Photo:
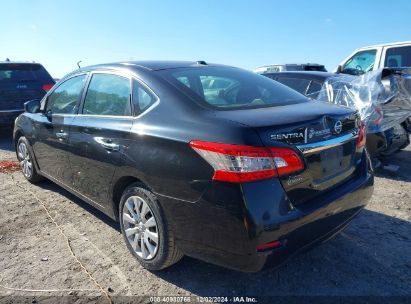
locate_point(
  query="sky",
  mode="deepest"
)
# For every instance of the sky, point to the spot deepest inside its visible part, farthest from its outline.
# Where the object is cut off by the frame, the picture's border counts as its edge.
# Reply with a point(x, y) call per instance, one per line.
point(241, 33)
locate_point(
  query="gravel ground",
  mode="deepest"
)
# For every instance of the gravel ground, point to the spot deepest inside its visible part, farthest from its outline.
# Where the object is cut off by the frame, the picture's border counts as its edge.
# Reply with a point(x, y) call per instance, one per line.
point(371, 257)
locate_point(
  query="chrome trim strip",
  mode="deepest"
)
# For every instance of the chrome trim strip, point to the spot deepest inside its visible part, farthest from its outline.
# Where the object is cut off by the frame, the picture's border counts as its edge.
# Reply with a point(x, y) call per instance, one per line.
point(326, 144)
point(11, 111)
point(105, 116)
point(63, 115)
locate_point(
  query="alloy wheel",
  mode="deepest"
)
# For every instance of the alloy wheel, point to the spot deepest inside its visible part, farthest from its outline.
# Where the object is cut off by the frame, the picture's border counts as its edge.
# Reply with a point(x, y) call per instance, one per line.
point(140, 227)
point(25, 160)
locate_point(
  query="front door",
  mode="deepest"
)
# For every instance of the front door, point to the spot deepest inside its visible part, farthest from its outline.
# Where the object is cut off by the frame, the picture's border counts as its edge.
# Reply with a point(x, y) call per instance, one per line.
point(52, 129)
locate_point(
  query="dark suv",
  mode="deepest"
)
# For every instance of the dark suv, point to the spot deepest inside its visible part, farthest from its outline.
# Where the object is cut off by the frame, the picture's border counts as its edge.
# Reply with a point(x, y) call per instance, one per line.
point(205, 160)
point(20, 82)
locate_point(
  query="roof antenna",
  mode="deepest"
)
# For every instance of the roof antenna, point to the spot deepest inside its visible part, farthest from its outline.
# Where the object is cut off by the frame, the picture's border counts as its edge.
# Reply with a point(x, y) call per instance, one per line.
point(78, 64)
point(7, 60)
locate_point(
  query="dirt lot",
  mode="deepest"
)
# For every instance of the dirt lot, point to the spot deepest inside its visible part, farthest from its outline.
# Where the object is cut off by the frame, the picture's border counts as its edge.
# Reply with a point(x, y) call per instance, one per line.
point(371, 257)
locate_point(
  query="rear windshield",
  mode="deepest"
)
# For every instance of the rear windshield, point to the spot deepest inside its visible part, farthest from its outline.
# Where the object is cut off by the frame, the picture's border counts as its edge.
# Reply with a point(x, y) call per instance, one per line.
point(229, 88)
point(24, 73)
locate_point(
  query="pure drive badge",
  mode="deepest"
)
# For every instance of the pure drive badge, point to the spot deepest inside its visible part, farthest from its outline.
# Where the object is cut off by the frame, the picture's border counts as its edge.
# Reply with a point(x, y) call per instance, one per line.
point(314, 133)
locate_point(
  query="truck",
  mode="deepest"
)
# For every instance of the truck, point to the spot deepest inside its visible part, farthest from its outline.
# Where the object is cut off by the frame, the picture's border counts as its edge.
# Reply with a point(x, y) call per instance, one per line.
point(371, 58)
point(391, 59)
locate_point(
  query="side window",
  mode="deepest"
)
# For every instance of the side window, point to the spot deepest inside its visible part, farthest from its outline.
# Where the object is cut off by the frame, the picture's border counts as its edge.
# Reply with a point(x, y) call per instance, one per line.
point(273, 69)
point(184, 80)
point(398, 57)
point(108, 94)
point(360, 63)
point(142, 99)
point(64, 98)
point(300, 85)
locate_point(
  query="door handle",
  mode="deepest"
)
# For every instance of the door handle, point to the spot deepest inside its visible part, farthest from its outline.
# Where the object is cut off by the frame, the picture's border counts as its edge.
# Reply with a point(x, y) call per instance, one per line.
point(111, 146)
point(107, 144)
point(62, 135)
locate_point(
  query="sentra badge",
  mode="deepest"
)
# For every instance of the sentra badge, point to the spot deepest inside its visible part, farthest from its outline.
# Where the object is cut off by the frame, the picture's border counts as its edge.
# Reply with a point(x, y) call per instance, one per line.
point(281, 136)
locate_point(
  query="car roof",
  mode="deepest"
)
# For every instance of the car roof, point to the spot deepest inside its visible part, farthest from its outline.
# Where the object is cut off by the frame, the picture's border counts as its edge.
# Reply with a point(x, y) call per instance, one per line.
point(303, 74)
point(384, 45)
point(19, 62)
point(152, 65)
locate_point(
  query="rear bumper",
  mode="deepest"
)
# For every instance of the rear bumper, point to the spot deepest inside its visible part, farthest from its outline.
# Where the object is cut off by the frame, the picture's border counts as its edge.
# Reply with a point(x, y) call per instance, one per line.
point(229, 221)
point(7, 117)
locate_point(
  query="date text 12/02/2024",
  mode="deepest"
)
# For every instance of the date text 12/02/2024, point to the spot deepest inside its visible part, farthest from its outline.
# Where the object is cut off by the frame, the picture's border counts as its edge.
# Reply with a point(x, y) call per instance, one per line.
point(200, 299)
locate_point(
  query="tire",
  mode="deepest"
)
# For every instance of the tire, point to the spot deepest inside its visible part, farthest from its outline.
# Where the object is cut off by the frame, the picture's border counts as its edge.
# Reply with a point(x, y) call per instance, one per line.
point(26, 160)
point(406, 143)
point(146, 229)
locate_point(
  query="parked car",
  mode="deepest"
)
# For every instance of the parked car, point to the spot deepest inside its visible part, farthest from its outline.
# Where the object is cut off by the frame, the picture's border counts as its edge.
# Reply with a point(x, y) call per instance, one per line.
point(227, 176)
point(290, 67)
point(20, 82)
point(372, 58)
point(379, 144)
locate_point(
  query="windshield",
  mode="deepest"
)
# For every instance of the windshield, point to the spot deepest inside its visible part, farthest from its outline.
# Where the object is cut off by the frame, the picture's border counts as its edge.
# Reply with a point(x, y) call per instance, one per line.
point(362, 62)
point(228, 88)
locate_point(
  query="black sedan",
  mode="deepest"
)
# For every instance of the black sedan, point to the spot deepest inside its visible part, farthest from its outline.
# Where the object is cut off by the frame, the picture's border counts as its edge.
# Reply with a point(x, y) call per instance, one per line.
point(379, 143)
point(199, 159)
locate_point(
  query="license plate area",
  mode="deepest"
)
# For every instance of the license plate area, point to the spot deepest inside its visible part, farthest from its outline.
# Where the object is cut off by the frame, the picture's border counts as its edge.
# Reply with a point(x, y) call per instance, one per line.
point(332, 161)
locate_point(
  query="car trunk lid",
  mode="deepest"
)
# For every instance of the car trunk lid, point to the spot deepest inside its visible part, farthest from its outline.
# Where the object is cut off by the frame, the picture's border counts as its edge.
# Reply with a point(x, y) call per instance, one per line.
point(325, 137)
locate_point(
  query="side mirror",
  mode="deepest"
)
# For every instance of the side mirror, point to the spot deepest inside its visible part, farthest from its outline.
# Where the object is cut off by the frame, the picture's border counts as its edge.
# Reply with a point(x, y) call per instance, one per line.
point(339, 69)
point(32, 106)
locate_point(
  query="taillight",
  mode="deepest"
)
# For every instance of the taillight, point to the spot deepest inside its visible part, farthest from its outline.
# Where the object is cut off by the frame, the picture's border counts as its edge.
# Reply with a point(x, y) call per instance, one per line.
point(271, 245)
point(47, 87)
point(238, 163)
point(361, 135)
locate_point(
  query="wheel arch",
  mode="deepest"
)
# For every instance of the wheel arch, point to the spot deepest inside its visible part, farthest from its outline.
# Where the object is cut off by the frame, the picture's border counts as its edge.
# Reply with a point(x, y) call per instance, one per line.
point(118, 186)
point(17, 134)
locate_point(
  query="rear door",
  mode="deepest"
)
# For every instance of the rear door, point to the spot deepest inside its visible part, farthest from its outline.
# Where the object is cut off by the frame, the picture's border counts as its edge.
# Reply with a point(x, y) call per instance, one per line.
point(98, 135)
point(52, 129)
